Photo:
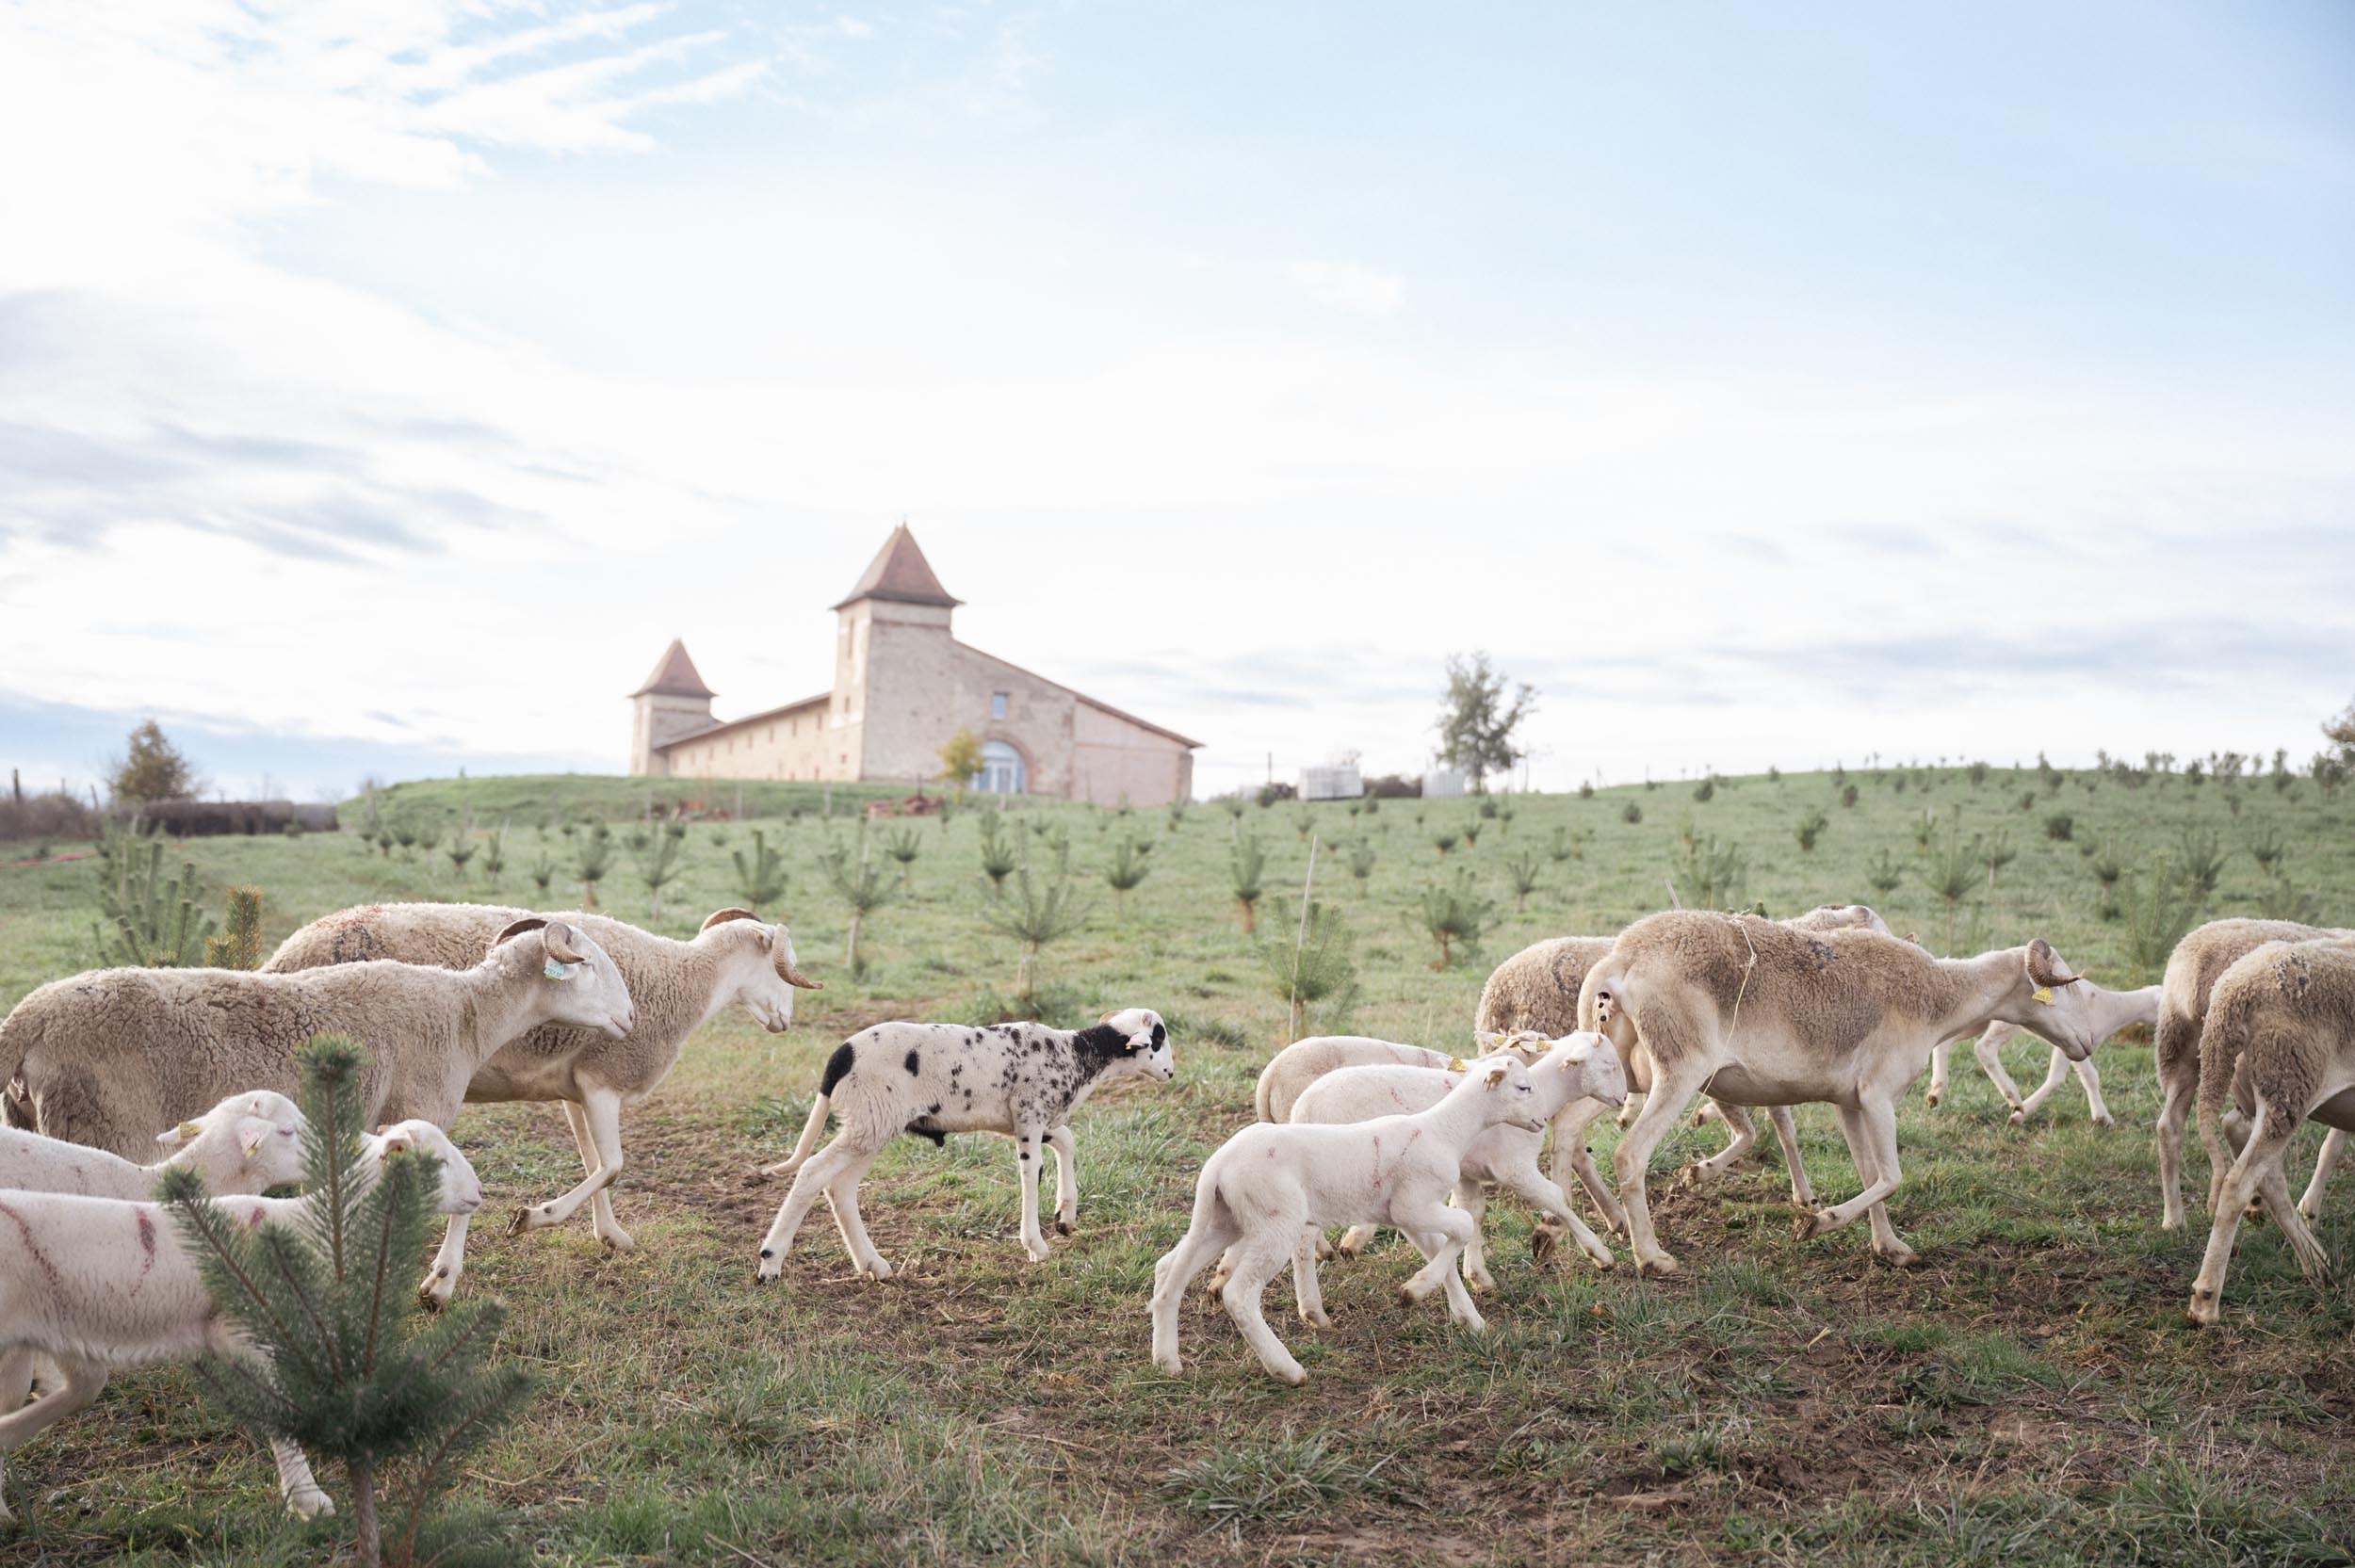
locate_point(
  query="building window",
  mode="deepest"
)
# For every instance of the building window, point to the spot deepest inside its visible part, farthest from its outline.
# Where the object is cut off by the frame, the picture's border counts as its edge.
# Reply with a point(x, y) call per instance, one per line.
point(996, 705)
point(1002, 772)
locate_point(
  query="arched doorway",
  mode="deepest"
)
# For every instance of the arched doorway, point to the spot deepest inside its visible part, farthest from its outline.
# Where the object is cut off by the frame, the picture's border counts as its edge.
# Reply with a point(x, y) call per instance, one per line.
point(1002, 772)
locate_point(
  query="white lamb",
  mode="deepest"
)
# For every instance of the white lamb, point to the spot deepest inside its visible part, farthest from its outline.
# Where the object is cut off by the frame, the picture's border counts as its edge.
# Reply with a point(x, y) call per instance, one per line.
point(1577, 1066)
point(933, 1079)
point(98, 1283)
point(1267, 1186)
point(246, 1144)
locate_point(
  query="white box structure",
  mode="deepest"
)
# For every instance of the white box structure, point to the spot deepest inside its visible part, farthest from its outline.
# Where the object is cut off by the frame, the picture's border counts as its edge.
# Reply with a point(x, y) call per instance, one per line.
point(1445, 784)
point(1331, 784)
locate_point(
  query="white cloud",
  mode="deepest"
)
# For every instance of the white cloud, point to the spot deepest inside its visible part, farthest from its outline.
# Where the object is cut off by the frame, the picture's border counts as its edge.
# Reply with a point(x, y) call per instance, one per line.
point(1345, 286)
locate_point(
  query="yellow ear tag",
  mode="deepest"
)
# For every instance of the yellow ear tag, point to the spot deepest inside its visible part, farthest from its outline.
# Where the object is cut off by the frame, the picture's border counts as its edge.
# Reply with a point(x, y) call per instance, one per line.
point(188, 1129)
point(2044, 995)
point(1457, 1064)
point(253, 1145)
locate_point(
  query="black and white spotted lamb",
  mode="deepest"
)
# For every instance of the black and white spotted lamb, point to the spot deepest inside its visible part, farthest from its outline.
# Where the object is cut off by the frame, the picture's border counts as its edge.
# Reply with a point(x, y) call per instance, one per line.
point(933, 1079)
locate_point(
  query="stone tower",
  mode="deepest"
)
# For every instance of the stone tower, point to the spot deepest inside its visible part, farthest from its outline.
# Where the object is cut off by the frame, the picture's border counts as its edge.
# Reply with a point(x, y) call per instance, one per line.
point(894, 667)
point(673, 702)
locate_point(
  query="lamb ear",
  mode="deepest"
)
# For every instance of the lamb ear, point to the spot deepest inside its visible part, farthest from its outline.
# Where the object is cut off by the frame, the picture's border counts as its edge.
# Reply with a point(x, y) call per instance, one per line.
point(179, 1135)
point(1487, 1039)
point(720, 917)
point(399, 1143)
point(559, 938)
point(528, 923)
point(1457, 1064)
point(252, 1142)
point(1495, 1076)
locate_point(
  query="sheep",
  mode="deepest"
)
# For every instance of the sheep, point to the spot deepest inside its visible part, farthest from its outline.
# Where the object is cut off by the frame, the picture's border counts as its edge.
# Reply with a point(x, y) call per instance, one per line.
point(1763, 1014)
point(676, 986)
point(1301, 1063)
point(2192, 971)
point(1267, 1186)
point(1571, 1067)
point(246, 1144)
point(2131, 1008)
point(106, 1055)
point(933, 1079)
point(2279, 1039)
point(1538, 989)
point(96, 1283)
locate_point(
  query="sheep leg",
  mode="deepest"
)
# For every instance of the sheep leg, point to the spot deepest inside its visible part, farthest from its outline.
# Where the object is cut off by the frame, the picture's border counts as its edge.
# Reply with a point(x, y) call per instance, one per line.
point(1673, 1086)
point(449, 1261)
point(601, 1112)
point(1264, 1251)
point(1745, 1132)
point(1471, 1199)
point(601, 1206)
point(1212, 1233)
point(305, 1498)
point(808, 1182)
point(1355, 1239)
point(1872, 1133)
point(1066, 1178)
point(1988, 1048)
point(2181, 1091)
point(1441, 1233)
point(1530, 1184)
point(1939, 1053)
point(2241, 1183)
point(842, 1197)
point(1787, 1134)
point(80, 1383)
point(1308, 1289)
point(16, 1376)
point(1629, 1108)
point(1026, 1161)
point(2333, 1145)
point(1572, 1156)
point(2274, 1184)
point(2090, 1077)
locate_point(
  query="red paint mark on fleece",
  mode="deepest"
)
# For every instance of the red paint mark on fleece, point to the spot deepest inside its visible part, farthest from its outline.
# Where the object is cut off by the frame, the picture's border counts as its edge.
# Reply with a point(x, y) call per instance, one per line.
point(147, 1247)
point(25, 1231)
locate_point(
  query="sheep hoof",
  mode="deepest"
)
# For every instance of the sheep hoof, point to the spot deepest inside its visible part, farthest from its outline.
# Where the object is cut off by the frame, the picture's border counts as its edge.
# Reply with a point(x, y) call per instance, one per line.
point(876, 1271)
point(1064, 1227)
point(1346, 1250)
point(1808, 1225)
point(315, 1505)
point(1171, 1365)
point(2203, 1311)
point(1215, 1283)
point(1904, 1257)
point(1542, 1242)
point(618, 1241)
point(782, 1167)
point(1294, 1375)
point(1663, 1264)
point(1602, 1260)
point(1316, 1319)
point(1931, 1099)
point(521, 1223)
point(2105, 1119)
point(1479, 1285)
point(2019, 1118)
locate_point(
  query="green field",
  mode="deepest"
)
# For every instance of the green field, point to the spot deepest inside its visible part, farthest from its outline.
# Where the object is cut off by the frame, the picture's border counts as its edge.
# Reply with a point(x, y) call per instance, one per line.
point(2029, 1394)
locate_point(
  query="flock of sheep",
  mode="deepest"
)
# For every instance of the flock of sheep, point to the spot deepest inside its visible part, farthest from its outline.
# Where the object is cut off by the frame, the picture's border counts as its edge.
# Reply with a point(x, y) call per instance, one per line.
point(2254, 1024)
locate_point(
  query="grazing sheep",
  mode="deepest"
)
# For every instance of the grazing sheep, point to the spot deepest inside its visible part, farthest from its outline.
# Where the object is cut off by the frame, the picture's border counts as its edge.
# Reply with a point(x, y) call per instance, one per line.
point(104, 1057)
point(1578, 1066)
point(2279, 1039)
point(1763, 1014)
point(246, 1144)
point(933, 1079)
point(95, 1284)
point(1266, 1188)
point(2192, 971)
point(1538, 989)
point(2129, 1007)
point(677, 988)
point(1303, 1062)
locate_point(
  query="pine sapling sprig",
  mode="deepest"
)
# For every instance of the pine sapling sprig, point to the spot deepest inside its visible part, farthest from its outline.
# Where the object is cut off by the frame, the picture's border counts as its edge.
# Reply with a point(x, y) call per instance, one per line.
point(657, 856)
point(1037, 914)
point(903, 845)
point(1522, 871)
point(239, 946)
point(1247, 866)
point(592, 857)
point(1127, 869)
point(760, 879)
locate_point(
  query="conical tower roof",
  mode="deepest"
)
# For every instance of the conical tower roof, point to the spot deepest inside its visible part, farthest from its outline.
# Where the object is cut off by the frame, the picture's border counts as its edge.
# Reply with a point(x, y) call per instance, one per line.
point(674, 675)
point(900, 572)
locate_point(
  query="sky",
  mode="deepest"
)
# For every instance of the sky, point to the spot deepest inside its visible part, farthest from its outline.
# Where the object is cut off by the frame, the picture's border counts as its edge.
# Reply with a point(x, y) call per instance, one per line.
point(384, 384)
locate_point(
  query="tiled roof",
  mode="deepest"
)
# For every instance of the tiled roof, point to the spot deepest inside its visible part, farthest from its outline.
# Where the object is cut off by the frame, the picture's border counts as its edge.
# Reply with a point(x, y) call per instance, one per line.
point(900, 572)
point(674, 675)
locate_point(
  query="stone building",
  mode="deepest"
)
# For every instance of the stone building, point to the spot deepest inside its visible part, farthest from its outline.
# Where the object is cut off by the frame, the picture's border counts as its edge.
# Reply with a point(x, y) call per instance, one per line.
point(902, 686)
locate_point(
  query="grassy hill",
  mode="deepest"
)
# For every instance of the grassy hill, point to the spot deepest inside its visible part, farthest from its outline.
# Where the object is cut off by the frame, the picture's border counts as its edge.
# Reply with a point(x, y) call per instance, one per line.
point(2026, 1396)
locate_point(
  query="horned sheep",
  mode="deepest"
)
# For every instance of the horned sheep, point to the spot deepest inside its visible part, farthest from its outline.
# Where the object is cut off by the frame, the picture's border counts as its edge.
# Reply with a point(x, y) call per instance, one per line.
point(933, 1079)
point(1267, 1186)
point(95, 1284)
point(2128, 1008)
point(2279, 1039)
point(105, 1057)
point(1763, 1014)
point(676, 986)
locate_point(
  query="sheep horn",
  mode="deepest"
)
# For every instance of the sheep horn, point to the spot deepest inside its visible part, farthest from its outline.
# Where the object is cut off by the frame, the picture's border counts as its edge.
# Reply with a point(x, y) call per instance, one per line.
point(560, 941)
point(720, 917)
point(790, 973)
point(528, 923)
point(2045, 967)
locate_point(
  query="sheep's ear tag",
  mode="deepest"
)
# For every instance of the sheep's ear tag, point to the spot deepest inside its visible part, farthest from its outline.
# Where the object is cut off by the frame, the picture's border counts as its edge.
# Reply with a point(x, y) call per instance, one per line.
point(1457, 1064)
point(1496, 1077)
point(556, 971)
point(253, 1145)
point(2044, 995)
point(186, 1130)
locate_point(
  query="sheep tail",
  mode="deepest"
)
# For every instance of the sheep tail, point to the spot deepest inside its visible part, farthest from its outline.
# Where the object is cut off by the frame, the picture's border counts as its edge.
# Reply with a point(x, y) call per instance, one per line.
point(16, 1098)
point(811, 1131)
